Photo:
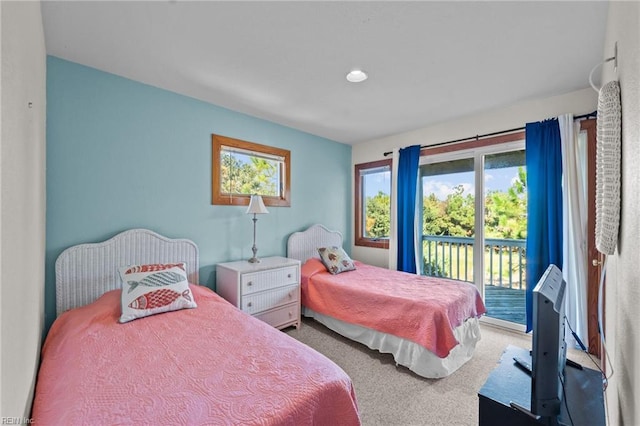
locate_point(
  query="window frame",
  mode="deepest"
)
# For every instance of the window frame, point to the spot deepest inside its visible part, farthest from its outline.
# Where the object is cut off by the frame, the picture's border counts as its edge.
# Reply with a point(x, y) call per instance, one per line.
point(360, 239)
point(221, 198)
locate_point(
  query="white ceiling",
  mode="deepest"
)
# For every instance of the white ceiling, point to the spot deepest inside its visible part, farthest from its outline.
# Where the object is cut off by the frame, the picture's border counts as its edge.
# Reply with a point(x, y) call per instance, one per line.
point(286, 61)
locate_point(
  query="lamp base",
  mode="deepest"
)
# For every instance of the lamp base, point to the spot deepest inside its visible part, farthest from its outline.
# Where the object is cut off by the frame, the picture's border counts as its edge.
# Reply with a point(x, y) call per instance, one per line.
point(254, 249)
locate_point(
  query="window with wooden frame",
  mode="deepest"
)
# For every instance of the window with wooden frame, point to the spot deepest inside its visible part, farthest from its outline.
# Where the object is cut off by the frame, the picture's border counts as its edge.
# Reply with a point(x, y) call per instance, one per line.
point(241, 169)
point(373, 203)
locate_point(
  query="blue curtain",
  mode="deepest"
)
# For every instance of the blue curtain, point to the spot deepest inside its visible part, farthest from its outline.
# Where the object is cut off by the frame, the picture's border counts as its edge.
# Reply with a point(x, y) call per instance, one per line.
point(544, 205)
point(406, 189)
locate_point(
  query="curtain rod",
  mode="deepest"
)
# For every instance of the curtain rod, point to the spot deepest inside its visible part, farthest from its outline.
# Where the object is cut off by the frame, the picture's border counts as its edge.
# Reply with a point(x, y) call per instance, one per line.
point(501, 132)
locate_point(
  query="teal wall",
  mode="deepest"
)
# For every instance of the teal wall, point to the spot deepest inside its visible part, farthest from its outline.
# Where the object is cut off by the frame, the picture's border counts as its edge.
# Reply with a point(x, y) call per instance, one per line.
point(122, 154)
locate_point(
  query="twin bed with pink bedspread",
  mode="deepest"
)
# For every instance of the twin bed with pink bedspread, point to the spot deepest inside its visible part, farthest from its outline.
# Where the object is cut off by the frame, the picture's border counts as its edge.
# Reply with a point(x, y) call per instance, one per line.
point(212, 364)
point(430, 325)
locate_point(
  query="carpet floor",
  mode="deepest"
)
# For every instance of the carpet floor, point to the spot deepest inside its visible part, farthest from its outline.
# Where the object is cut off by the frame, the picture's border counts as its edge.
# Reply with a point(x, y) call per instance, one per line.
point(393, 395)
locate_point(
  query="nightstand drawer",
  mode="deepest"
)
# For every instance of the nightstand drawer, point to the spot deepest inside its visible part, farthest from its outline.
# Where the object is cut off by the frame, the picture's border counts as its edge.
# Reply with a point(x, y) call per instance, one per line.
point(280, 316)
point(263, 289)
point(258, 281)
point(269, 299)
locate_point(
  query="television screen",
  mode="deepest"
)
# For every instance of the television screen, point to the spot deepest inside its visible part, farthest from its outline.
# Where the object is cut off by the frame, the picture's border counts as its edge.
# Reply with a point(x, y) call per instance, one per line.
point(549, 352)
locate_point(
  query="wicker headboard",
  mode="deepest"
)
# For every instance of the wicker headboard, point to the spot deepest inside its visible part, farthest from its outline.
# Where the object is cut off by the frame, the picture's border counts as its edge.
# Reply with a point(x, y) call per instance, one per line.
point(86, 271)
point(304, 244)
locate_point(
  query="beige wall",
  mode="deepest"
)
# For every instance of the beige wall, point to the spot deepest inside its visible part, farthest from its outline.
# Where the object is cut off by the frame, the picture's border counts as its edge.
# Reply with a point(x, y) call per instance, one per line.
point(623, 270)
point(579, 102)
point(22, 203)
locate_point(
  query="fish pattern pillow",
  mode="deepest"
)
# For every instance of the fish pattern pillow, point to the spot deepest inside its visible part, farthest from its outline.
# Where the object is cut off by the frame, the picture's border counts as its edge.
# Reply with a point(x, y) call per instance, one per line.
point(155, 288)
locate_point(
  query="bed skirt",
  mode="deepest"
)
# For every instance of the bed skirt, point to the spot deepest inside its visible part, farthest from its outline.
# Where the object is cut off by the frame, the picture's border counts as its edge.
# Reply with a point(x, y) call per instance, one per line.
point(405, 352)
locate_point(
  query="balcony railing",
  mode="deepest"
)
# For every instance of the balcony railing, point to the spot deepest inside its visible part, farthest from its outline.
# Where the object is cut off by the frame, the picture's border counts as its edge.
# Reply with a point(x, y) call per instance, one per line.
point(452, 257)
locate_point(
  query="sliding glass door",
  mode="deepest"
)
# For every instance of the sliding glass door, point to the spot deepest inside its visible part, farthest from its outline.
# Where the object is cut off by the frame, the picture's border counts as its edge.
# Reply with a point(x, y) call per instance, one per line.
point(448, 218)
point(505, 233)
point(474, 224)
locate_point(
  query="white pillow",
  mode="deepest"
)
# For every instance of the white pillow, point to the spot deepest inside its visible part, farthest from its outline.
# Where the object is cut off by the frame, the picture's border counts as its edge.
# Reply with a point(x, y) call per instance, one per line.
point(152, 289)
point(336, 260)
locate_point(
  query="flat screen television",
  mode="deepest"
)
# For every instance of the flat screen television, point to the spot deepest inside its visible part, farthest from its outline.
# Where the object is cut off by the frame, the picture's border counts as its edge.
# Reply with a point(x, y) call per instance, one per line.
point(549, 351)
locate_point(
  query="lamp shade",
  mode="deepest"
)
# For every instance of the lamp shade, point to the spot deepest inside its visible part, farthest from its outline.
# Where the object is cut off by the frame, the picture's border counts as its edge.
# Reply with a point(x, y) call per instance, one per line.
point(256, 205)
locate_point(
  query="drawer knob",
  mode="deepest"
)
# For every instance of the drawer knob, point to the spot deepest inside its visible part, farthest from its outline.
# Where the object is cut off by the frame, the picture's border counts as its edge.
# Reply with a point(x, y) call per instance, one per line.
point(290, 295)
point(249, 304)
point(290, 314)
point(288, 275)
point(250, 283)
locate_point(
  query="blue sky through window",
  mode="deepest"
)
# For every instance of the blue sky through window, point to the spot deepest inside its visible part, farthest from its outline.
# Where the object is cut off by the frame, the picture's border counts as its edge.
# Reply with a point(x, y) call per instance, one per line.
point(494, 179)
point(442, 185)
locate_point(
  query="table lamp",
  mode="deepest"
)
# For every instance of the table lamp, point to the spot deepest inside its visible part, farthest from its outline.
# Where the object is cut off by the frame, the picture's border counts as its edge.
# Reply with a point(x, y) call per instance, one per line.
point(256, 206)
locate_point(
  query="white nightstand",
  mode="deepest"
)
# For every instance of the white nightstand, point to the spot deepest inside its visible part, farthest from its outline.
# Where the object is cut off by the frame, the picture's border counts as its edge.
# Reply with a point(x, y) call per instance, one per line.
point(269, 290)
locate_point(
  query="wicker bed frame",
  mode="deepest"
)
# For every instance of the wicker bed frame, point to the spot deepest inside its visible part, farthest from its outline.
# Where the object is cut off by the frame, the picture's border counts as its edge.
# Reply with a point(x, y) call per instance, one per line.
point(84, 272)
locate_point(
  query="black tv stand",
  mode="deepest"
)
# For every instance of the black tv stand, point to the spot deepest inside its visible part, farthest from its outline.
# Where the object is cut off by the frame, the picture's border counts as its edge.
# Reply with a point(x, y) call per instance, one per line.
point(505, 398)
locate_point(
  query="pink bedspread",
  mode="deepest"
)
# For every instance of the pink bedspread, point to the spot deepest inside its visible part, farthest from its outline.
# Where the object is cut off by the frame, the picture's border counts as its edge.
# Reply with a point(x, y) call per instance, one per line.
point(422, 309)
point(210, 365)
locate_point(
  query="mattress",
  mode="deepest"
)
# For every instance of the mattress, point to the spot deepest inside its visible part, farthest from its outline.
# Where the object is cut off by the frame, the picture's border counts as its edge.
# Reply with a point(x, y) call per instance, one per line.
point(429, 324)
point(209, 365)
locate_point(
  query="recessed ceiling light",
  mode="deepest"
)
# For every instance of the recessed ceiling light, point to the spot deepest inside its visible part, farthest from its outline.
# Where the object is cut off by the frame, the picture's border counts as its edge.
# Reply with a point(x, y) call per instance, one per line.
point(357, 76)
